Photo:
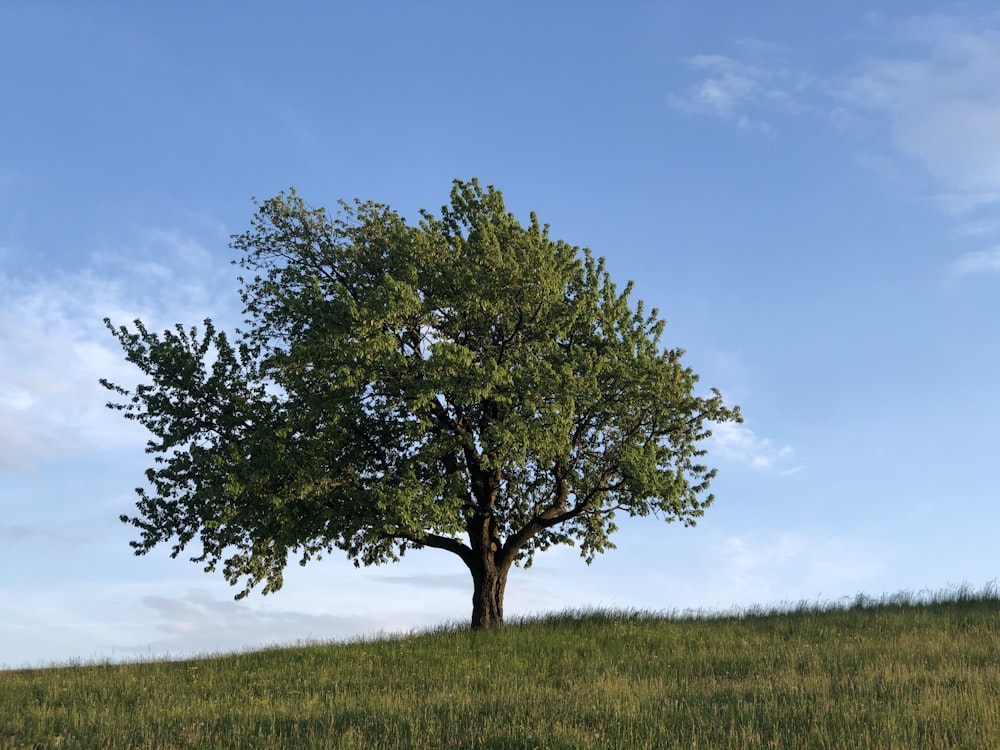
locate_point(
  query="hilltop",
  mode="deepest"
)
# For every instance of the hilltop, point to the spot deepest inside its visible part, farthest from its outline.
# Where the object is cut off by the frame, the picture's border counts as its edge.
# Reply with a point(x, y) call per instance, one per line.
point(890, 673)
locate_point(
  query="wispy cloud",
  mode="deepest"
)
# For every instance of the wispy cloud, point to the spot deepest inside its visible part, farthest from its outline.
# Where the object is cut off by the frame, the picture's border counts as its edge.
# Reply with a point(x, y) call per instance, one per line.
point(48, 331)
point(761, 567)
point(54, 348)
point(936, 101)
point(46, 536)
point(920, 107)
point(742, 91)
point(200, 621)
point(982, 261)
point(727, 84)
point(738, 443)
point(457, 581)
point(940, 106)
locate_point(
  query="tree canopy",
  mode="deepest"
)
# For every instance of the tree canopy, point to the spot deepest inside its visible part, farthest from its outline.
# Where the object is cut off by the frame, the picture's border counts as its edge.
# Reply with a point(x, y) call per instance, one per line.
point(465, 383)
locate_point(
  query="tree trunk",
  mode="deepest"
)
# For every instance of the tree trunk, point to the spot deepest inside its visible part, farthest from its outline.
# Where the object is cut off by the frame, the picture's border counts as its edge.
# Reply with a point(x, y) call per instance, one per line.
point(488, 584)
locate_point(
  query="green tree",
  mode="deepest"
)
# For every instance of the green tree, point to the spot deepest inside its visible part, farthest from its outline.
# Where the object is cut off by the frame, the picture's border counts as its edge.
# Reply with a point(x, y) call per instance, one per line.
point(467, 384)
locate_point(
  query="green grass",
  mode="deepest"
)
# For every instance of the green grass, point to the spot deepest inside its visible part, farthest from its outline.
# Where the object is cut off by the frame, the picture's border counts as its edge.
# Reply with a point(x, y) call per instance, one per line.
point(899, 672)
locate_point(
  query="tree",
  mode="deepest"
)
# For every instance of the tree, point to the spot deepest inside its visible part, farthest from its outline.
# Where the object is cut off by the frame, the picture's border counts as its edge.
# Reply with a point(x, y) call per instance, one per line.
point(466, 384)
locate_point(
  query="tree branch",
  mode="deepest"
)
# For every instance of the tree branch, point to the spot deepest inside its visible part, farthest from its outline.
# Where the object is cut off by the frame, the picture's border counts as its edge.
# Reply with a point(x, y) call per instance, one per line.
point(437, 541)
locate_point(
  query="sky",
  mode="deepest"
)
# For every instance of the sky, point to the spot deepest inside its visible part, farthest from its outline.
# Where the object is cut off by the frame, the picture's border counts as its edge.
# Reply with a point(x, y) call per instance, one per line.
point(808, 192)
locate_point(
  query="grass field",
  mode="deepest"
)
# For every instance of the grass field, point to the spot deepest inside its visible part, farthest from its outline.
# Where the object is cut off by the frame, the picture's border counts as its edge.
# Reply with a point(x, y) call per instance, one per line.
point(899, 672)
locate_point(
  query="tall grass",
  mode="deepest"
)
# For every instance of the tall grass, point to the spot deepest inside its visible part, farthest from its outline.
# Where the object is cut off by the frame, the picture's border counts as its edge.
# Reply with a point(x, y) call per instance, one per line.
point(898, 672)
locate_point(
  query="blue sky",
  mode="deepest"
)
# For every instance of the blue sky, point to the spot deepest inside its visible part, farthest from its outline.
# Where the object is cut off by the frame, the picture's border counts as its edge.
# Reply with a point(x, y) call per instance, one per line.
point(809, 192)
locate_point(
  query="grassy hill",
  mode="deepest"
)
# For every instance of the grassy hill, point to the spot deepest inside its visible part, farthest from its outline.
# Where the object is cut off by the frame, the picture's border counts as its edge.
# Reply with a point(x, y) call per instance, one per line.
point(900, 672)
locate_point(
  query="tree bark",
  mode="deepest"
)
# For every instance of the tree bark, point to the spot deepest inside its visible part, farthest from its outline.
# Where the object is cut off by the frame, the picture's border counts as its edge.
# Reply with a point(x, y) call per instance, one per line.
point(488, 584)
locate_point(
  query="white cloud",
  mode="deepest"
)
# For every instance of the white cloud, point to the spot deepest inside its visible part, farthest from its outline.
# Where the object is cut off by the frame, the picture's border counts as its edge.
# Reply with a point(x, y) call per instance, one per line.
point(22, 442)
point(939, 109)
point(728, 88)
point(725, 566)
point(982, 228)
point(793, 566)
point(940, 106)
point(738, 443)
point(729, 84)
point(127, 621)
point(54, 347)
point(200, 622)
point(925, 116)
point(937, 105)
point(47, 535)
point(983, 261)
point(740, 91)
point(42, 375)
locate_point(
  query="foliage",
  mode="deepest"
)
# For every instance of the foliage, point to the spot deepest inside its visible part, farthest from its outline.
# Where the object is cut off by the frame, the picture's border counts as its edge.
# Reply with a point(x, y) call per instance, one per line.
point(888, 675)
point(466, 383)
